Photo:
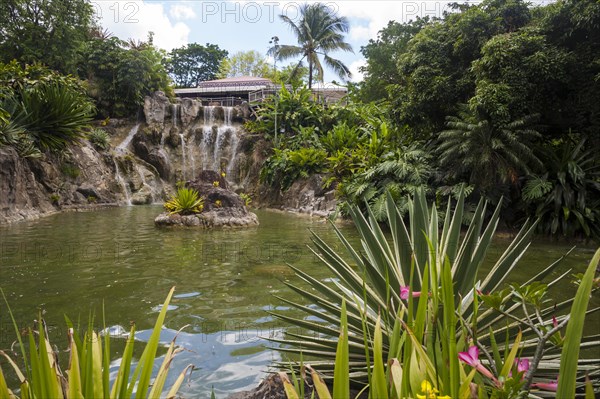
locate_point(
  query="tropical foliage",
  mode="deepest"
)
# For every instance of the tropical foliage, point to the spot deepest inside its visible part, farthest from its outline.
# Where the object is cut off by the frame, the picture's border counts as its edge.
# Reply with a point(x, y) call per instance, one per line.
point(88, 372)
point(318, 31)
point(187, 201)
point(42, 109)
point(567, 196)
point(120, 74)
point(486, 155)
point(420, 304)
point(482, 98)
point(48, 31)
point(398, 379)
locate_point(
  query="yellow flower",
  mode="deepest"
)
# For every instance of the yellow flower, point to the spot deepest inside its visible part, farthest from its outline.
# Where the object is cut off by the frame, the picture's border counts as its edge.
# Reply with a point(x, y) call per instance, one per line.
point(215, 184)
point(429, 392)
point(223, 174)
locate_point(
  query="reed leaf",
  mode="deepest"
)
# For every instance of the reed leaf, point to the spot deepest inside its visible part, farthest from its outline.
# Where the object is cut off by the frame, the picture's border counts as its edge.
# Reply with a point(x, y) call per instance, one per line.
point(570, 352)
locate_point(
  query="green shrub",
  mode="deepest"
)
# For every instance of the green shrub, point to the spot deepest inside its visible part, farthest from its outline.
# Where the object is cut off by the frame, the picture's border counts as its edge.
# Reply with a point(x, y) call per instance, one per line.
point(287, 166)
point(187, 201)
point(99, 138)
point(70, 170)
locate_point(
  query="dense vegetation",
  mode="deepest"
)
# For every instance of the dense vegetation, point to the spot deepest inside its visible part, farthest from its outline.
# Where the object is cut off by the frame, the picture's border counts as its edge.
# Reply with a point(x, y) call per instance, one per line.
point(500, 97)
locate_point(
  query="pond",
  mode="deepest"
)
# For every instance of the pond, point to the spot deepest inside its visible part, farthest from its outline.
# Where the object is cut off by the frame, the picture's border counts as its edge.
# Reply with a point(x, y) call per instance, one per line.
point(72, 263)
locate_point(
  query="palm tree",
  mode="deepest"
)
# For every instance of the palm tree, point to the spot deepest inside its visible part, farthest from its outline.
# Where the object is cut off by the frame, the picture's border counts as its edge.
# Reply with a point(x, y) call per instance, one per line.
point(319, 32)
point(489, 154)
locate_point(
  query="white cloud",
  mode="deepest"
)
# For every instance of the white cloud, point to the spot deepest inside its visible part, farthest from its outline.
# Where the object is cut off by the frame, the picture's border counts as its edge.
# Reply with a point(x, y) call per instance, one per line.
point(357, 76)
point(360, 32)
point(180, 11)
point(135, 18)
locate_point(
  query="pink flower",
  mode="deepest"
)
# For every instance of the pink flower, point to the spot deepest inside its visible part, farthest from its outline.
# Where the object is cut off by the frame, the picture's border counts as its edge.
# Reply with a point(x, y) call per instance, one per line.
point(554, 321)
point(522, 367)
point(546, 386)
point(405, 290)
point(471, 357)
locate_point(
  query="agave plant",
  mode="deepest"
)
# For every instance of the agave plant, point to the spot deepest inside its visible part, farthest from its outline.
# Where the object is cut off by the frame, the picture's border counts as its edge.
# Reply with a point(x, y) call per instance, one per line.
point(99, 138)
point(186, 201)
point(399, 283)
point(88, 375)
point(56, 115)
point(392, 380)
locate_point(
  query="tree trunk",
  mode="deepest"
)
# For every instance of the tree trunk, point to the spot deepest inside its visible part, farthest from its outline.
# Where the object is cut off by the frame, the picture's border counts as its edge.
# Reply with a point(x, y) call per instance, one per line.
point(310, 73)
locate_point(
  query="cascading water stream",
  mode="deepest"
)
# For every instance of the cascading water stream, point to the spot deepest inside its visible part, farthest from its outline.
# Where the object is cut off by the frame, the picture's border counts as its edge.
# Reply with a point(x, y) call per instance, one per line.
point(207, 133)
point(122, 183)
point(183, 157)
point(121, 150)
point(125, 143)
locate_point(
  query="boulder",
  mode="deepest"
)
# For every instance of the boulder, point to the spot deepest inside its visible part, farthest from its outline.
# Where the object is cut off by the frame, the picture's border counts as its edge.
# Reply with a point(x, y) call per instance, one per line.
point(189, 110)
point(142, 197)
point(155, 156)
point(307, 196)
point(155, 107)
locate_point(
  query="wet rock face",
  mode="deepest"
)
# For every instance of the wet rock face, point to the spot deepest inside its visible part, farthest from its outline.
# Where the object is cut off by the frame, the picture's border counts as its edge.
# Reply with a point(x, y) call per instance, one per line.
point(30, 188)
point(155, 107)
point(306, 196)
point(189, 110)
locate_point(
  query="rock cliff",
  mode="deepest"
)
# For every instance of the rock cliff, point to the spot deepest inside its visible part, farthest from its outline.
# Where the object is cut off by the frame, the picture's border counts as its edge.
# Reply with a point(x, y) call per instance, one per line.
point(146, 159)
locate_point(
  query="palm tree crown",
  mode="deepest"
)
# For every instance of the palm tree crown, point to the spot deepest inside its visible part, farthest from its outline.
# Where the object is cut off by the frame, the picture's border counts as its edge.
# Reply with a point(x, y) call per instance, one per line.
point(318, 31)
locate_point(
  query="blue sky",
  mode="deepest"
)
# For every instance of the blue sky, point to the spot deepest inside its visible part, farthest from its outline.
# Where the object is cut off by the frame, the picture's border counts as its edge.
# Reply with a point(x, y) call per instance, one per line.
point(249, 25)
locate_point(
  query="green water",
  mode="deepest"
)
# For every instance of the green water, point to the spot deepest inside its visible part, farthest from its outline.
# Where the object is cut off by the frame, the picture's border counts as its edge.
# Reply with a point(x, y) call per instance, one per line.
point(225, 281)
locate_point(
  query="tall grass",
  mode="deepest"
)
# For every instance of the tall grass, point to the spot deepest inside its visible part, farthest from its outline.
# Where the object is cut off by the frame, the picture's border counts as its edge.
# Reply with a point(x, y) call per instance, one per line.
point(87, 374)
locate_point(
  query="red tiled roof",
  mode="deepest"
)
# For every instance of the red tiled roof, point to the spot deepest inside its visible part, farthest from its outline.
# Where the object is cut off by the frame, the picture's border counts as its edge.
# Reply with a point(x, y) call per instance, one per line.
point(236, 81)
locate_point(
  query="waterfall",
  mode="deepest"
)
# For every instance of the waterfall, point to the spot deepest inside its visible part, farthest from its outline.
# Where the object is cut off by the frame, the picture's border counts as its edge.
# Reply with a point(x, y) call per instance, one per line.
point(122, 183)
point(221, 131)
point(192, 159)
point(227, 113)
point(219, 143)
point(125, 143)
point(233, 144)
point(183, 158)
point(207, 133)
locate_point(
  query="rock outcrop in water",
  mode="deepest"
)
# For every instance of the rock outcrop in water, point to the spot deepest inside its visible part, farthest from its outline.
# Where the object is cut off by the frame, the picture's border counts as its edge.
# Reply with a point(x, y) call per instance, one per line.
point(222, 207)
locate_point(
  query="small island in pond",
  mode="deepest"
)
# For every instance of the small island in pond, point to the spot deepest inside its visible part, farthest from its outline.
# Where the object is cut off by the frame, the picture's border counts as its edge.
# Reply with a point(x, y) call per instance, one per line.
point(206, 202)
